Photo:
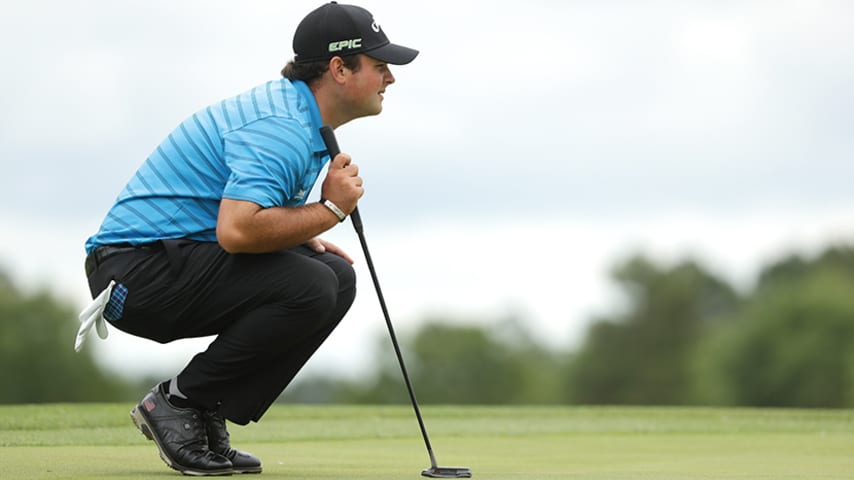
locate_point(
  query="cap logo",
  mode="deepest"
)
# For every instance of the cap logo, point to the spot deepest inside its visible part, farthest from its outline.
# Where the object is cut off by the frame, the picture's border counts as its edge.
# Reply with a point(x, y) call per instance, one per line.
point(375, 26)
point(345, 45)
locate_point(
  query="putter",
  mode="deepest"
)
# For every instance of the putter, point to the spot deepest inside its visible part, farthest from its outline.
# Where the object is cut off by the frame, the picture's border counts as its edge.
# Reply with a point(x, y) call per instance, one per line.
point(434, 471)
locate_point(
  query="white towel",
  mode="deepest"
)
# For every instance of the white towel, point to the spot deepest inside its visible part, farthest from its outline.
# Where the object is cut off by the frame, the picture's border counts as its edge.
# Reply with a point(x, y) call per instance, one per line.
point(93, 315)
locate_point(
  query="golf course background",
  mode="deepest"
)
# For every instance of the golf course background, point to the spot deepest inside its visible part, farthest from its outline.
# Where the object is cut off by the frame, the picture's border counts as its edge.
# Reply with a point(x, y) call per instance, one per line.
point(689, 378)
point(680, 335)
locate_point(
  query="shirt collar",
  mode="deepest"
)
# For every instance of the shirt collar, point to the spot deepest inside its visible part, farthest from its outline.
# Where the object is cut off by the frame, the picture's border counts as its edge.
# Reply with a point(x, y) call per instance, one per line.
point(314, 111)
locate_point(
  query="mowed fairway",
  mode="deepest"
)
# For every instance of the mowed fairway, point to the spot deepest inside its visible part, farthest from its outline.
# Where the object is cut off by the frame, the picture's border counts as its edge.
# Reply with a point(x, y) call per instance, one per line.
point(502, 443)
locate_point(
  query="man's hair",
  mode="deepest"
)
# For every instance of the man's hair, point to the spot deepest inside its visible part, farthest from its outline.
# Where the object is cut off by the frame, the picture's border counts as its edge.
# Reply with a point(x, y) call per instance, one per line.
point(311, 71)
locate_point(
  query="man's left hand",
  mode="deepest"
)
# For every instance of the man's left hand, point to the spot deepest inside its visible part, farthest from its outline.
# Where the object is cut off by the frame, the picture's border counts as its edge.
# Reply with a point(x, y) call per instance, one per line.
point(322, 246)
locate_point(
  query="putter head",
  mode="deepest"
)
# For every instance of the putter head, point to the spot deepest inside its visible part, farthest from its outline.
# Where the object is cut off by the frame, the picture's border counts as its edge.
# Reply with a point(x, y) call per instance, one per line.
point(447, 472)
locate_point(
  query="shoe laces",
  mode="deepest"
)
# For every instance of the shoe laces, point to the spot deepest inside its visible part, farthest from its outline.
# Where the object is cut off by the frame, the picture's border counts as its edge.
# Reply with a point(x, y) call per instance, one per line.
point(218, 436)
point(195, 427)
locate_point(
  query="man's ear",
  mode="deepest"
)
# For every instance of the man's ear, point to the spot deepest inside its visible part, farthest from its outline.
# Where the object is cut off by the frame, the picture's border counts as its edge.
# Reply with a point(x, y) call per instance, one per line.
point(337, 69)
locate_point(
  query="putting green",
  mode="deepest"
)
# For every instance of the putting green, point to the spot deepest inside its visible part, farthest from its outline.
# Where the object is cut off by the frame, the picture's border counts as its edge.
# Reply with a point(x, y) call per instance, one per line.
point(502, 443)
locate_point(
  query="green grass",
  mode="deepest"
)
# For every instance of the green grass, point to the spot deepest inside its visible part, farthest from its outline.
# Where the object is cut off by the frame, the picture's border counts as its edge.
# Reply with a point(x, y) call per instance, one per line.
point(502, 443)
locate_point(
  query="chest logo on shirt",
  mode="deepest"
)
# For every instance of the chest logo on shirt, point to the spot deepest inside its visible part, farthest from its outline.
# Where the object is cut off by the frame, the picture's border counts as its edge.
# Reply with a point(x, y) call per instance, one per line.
point(300, 194)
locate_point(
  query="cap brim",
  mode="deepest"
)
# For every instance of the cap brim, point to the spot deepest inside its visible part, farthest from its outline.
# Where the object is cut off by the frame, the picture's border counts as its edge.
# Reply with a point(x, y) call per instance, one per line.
point(393, 54)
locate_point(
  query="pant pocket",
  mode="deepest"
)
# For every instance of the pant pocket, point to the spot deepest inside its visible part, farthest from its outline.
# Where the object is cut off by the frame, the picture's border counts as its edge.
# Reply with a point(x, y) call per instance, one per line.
point(116, 305)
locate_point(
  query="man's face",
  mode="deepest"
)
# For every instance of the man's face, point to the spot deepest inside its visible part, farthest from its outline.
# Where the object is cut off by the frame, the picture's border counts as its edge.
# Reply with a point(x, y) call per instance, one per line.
point(367, 85)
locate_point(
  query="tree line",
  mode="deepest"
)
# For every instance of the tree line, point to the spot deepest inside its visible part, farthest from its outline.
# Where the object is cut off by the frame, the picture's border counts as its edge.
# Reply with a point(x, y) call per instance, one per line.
point(684, 336)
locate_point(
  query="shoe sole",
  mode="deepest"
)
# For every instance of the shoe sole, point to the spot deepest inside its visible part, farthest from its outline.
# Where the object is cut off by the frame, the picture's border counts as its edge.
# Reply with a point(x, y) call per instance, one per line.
point(141, 422)
point(246, 470)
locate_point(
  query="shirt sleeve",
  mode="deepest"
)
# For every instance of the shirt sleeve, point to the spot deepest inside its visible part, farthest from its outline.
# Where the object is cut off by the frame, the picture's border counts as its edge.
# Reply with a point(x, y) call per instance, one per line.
point(267, 159)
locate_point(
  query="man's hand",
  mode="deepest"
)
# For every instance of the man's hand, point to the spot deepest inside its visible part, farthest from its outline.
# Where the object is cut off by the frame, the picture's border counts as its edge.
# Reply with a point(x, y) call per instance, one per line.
point(321, 246)
point(343, 185)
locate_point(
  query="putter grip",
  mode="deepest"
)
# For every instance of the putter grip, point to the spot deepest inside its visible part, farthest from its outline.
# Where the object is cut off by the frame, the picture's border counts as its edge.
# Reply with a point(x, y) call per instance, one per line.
point(331, 142)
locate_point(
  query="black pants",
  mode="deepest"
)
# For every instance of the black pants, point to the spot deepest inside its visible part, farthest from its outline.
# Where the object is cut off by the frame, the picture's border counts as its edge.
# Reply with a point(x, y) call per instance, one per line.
point(270, 313)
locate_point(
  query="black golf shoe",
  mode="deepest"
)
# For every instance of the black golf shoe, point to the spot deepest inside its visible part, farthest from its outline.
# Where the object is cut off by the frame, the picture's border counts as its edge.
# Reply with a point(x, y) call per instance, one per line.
point(179, 434)
point(218, 441)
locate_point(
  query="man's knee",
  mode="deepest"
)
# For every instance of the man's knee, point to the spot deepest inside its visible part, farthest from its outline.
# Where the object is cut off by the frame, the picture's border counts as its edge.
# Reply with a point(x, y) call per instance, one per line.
point(346, 279)
point(333, 284)
point(321, 293)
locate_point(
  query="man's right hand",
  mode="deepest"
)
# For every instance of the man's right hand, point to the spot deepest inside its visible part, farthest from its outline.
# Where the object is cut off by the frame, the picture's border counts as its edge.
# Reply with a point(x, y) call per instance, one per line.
point(343, 185)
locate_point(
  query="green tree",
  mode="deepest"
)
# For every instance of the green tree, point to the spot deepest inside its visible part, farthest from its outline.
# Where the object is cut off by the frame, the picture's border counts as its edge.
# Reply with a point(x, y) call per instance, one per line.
point(454, 363)
point(642, 356)
point(792, 344)
point(37, 358)
point(495, 365)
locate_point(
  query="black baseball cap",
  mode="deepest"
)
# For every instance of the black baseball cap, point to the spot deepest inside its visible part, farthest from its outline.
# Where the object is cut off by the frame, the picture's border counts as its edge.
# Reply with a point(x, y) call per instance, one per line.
point(336, 29)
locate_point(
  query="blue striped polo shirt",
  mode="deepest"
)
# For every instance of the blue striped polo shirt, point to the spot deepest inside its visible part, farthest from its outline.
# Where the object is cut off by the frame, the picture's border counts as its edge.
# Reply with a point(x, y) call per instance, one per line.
point(262, 146)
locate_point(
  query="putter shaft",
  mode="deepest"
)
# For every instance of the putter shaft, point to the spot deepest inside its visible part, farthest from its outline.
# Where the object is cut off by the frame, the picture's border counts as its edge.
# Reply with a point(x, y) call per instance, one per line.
point(434, 471)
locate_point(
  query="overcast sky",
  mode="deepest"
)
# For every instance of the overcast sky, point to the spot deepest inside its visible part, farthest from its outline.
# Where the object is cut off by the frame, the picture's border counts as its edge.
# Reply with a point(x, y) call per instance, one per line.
point(528, 148)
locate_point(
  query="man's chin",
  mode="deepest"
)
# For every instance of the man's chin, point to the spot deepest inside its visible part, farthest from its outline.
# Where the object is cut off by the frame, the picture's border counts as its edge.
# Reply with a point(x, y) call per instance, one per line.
point(372, 113)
